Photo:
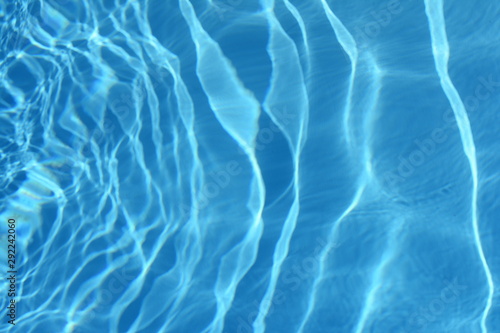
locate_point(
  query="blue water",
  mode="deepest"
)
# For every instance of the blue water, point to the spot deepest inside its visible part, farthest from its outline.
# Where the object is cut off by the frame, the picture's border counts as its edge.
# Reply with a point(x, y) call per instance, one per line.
point(237, 166)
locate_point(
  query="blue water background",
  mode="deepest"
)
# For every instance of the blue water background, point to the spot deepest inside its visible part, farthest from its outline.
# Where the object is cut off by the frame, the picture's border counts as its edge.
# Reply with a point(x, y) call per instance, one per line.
point(247, 166)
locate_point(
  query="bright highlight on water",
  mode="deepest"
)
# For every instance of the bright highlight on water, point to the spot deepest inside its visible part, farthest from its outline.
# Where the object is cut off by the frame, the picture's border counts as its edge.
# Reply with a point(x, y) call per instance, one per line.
point(237, 166)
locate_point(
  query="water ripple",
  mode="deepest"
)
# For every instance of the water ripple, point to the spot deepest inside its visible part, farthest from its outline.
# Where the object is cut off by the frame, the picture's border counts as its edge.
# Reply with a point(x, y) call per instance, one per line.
point(235, 166)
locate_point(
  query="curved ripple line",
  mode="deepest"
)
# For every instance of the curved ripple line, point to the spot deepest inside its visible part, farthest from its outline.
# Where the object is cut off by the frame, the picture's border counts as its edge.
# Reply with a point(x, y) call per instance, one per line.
point(441, 53)
point(324, 254)
point(365, 176)
point(238, 111)
point(378, 278)
point(295, 13)
point(287, 71)
point(234, 106)
point(190, 254)
point(349, 45)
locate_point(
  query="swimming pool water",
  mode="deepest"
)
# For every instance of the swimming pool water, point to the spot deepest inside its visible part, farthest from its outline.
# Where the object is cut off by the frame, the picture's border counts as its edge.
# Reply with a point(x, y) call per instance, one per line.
point(237, 166)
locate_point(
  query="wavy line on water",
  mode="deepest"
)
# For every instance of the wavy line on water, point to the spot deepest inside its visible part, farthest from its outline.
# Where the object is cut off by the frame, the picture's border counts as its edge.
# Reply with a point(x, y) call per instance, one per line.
point(193, 227)
point(238, 111)
point(133, 135)
point(138, 236)
point(369, 118)
point(234, 106)
point(65, 118)
point(190, 254)
point(287, 72)
point(441, 53)
point(324, 255)
point(111, 190)
point(153, 186)
point(300, 21)
point(367, 155)
point(366, 175)
point(378, 281)
point(348, 43)
point(143, 25)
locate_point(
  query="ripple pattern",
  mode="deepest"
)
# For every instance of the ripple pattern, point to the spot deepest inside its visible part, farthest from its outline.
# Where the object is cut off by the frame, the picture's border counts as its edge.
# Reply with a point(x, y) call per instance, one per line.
point(234, 166)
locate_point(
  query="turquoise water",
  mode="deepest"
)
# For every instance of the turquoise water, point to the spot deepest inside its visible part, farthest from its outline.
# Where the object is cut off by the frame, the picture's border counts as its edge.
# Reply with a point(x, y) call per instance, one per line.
point(236, 166)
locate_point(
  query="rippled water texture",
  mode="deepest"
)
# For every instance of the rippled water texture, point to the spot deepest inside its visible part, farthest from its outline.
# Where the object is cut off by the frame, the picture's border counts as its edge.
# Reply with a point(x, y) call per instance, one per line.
point(237, 166)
